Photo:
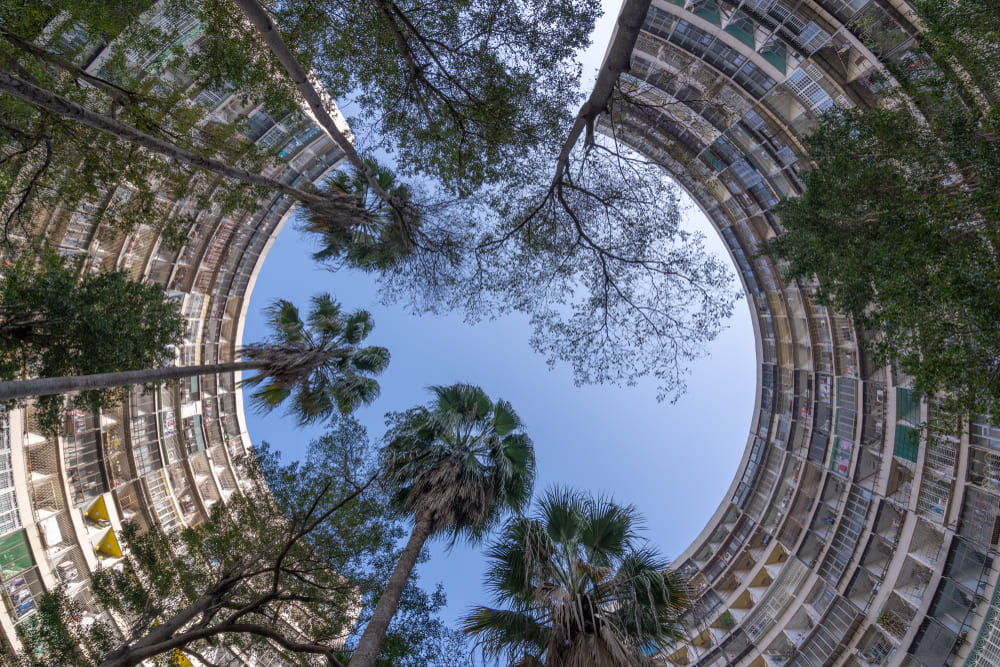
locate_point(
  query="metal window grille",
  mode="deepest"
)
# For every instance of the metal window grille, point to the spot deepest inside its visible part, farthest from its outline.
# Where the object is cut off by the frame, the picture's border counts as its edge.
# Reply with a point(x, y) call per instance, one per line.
point(979, 516)
point(848, 533)
point(163, 507)
point(932, 501)
point(827, 640)
point(984, 434)
point(808, 91)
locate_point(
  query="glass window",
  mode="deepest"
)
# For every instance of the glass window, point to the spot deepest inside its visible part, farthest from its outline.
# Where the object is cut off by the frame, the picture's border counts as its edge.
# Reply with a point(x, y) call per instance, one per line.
point(658, 22)
point(691, 38)
point(984, 434)
point(754, 80)
point(723, 58)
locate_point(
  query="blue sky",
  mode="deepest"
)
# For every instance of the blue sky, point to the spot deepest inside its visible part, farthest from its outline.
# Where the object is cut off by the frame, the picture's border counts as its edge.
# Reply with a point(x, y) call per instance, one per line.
point(674, 462)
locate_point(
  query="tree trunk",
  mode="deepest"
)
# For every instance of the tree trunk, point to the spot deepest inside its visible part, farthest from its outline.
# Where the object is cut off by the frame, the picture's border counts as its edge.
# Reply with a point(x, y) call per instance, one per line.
point(117, 93)
point(47, 100)
point(616, 62)
point(151, 644)
point(371, 641)
point(260, 20)
point(61, 385)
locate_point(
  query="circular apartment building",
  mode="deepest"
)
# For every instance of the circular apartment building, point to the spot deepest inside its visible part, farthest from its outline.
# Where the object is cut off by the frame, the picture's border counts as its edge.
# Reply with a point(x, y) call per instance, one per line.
point(843, 540)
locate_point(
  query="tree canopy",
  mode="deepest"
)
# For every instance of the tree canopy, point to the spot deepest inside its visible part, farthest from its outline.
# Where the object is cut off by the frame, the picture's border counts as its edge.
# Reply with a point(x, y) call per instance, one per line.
point(578, 587)
point(140, 101)
point(55, 321)
point(474, 98)
point(286, 568)
point(457, 89)
point(899, 225)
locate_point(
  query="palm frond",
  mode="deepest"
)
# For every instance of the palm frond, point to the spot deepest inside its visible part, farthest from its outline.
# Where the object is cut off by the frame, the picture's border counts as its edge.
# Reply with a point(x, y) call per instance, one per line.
point(505, 419)
point(325, 316)
point(372, 360)
point(578, 569)
point(453, 466)
point(507, 634)
point(607, 532)
point(357, 327)
point(269, 396)
point(318, 366)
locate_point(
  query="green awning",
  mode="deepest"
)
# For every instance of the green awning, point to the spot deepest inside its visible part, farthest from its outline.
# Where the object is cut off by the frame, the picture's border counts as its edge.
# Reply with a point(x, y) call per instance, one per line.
point(907, 406)
point(709, 11)
point(774, 53)
point(15, 555)
point(907, 442)
point(743, 30)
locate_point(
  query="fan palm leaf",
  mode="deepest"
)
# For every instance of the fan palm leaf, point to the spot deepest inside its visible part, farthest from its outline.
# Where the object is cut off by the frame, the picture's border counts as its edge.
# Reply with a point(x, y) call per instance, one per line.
point(459, 467)
point(577, 586)
point(382, 238)
point(316, 365)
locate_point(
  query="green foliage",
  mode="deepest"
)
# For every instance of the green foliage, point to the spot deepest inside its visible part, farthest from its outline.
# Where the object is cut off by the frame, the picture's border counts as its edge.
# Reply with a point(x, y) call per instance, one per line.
point(318, 362)
point(462, 463)
point(51, 641)
point(55, 322)
point(577, 587)
point(965, 33)
point(458, 88)
point(377, 244)
point(899, 223)
point(47, 159)
point(311, 552)
point(893, 624)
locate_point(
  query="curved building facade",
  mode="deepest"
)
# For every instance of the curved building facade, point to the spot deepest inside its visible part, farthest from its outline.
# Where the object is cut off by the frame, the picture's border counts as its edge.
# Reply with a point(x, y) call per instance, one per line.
point(163, 458)
point(844, 539)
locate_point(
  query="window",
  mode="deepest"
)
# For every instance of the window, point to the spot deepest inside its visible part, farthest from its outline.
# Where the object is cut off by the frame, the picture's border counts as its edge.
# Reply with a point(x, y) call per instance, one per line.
point(754, 80)
point(808, 91)
point(658, 22)
point(691, 38)
point(983, 434)
point(724, 59)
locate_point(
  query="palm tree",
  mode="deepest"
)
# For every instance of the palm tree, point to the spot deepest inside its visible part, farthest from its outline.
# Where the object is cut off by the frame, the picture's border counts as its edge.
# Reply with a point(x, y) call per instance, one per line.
point(459, 467)
point(316, 363)
point(578, 588)
point(383, 238)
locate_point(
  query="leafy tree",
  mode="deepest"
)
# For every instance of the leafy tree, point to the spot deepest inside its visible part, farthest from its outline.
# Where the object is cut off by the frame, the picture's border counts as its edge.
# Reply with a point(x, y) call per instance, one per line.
point(127, 112)
point(591, 248)
point(899, 222)
point(55, 322)
point(282, 568)
point(577, 587)
point(382, 240)
point(965, 33)
point(612, 284)
point(581, 235)
point(458, 88)
point(316, 363)
point(899, 225)
point(458, 468)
